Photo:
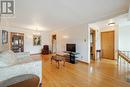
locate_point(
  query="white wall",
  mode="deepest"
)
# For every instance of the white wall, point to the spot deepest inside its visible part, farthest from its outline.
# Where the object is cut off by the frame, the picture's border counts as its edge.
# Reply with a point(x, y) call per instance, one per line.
point(124, 38)
point(0, 41)
point(124, 33)
point(28, 39)
point(77, 35)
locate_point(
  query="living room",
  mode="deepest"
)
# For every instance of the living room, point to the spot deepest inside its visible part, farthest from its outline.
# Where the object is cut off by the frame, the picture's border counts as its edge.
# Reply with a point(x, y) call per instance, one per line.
point(64, 28)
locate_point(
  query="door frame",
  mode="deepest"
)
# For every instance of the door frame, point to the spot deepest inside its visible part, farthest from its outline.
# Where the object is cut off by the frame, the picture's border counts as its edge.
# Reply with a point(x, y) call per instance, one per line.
point(53, 37)
point(94, 43)
point(113, 43)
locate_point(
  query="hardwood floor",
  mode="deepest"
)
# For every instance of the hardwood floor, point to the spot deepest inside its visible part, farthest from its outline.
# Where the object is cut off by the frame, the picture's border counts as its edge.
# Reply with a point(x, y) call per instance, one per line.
point(98, 74)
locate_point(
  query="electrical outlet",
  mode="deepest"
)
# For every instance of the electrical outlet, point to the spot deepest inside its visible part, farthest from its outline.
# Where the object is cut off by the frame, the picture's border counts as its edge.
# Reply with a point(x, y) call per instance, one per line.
point(81, 56)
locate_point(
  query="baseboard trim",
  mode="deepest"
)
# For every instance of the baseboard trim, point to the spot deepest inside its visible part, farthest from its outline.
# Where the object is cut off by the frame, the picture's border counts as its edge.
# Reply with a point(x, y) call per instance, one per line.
point(35, 54)
point(83, 62)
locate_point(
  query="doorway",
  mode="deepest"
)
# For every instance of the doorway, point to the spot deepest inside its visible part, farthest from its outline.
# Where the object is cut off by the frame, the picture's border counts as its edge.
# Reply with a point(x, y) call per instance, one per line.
point(93, 44)
point(107, 44)
point(54, 44)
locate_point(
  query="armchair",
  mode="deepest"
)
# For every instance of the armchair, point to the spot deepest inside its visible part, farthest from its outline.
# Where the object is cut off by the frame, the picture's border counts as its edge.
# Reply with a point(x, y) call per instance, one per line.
point(45, 50)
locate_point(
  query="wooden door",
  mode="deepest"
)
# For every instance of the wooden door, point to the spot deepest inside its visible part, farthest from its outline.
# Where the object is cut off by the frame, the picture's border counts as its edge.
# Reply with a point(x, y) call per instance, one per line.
point(107, 44)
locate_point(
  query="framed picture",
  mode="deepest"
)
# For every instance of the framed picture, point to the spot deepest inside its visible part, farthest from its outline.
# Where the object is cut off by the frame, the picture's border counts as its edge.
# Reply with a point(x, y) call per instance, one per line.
point(4, 37)
point(36, 40)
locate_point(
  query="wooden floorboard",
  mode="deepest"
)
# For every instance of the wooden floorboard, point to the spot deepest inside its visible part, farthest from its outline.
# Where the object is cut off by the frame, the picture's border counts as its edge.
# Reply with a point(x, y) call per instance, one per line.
point(97, 74)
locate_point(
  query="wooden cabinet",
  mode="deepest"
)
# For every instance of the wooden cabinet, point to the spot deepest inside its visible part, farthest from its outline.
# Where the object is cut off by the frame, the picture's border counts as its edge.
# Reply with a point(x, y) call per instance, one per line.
point(17, 42)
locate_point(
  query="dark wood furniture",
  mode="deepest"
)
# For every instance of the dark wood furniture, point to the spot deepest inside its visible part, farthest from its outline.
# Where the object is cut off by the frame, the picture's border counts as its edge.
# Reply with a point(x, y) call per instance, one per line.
point(27, 80)
point(58, 58)
point(72, 56)
point(45, 50)
point(17, 42)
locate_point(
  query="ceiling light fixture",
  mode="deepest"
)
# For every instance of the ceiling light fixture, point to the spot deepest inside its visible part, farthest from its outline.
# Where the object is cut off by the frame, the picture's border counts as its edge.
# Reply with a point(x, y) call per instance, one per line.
point(36, 31)
point(111, 24)
point(36, 27)
point(65, 36)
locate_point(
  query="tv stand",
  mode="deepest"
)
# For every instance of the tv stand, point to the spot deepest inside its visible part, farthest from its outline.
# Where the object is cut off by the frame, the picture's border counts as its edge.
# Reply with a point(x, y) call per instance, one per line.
point(72, 56)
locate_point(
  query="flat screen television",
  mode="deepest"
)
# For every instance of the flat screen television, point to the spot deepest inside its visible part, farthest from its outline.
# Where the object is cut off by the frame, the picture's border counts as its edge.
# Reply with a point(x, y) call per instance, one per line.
point(71, 47)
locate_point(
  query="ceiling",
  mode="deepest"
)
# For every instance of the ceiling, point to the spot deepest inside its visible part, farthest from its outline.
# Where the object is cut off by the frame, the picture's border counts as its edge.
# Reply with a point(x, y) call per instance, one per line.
point(59, 14)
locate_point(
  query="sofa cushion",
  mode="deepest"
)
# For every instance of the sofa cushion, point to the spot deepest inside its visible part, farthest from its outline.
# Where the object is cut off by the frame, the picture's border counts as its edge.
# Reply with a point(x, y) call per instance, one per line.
point(23, 55)
point(2, 64)
point(8, 57)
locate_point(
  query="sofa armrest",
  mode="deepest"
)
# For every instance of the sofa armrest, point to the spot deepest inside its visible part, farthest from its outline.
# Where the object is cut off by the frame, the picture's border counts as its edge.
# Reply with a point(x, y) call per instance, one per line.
point(22, 55)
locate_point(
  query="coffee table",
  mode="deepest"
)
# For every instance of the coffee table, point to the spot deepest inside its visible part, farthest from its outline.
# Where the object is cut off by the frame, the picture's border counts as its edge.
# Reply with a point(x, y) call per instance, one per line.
point(58, 58)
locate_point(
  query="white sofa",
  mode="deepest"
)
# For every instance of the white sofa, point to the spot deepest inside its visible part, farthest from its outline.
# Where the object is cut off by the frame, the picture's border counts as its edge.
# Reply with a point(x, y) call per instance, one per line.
point(14, 64)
